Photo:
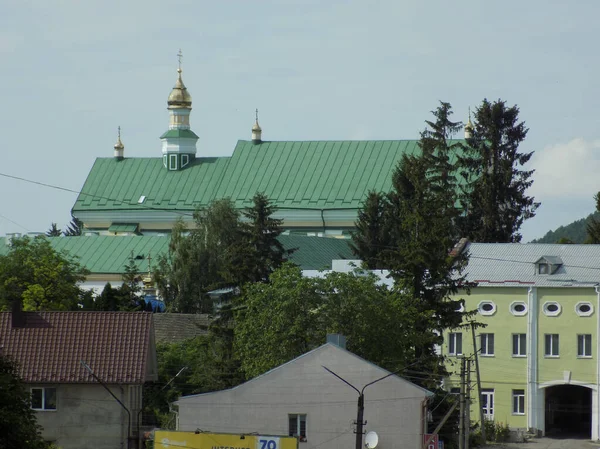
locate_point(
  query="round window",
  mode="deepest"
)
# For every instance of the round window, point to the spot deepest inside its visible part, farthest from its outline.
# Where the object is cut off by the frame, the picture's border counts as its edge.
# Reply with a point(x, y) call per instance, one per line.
point(487, 307)
point(519, 308)
point(552, 308)
point(584, 309)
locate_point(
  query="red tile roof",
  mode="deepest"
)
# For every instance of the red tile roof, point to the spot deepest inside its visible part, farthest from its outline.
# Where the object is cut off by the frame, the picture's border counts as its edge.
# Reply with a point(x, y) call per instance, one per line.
point(50, 346)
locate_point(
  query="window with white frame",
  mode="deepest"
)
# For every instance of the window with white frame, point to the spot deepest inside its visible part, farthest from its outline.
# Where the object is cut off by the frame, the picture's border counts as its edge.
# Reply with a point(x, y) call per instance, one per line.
point(584, 308)
point(552, 308)
point(172, 162)
point(584, 345)
point(487, 344)
point(518, 401)
point(519, 342)
point(43, 398)
point(551, 345)
point(487, 402)
point(185, 159)
point(518, 308)
point(486, 308)
point(297, 426)
point(455, 343)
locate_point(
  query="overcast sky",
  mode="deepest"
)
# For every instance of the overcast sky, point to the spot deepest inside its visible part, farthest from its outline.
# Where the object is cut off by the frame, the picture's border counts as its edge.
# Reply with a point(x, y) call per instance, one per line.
point(72, 71)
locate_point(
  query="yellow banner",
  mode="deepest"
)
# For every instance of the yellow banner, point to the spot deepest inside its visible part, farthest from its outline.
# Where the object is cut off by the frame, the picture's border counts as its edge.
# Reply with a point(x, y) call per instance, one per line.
point(190, 440)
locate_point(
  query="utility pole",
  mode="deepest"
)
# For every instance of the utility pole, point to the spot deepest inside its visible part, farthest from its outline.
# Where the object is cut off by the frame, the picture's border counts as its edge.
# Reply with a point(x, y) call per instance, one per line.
point(468, 404)
point(461, 422)
point(476, 352)
point(361, 404)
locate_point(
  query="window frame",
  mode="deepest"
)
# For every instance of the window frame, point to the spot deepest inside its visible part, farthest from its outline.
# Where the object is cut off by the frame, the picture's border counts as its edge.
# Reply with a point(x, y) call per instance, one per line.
point(488, 411)
point(299, 419)
point(486, 342)
point(584, 303)
point(550, 312)
point(582, 342)
point(453, 338)
point(519, 342)
point(486, 312)
point(549, 349)
point(44, 399)
point(518, 402)
point(173, 158)
point(516, 312)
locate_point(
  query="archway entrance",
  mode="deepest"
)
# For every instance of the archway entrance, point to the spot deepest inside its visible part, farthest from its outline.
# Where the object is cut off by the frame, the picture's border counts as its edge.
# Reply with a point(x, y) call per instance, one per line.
point(568, 411)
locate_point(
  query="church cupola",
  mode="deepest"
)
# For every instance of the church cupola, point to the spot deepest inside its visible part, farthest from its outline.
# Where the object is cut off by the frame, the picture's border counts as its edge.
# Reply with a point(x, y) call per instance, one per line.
point(119, 147)
point(179, 142)
point(256, 131)
point(469, 127)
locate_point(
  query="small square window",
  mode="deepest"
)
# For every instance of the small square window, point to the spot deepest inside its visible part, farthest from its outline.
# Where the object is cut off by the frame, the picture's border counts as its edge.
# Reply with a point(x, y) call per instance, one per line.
point(584, 345)
point(43, 398)
point(518, 407)
point(297, 426)
point(551, 345)
point(519, 345)
point(487, 344)
point(455, 343)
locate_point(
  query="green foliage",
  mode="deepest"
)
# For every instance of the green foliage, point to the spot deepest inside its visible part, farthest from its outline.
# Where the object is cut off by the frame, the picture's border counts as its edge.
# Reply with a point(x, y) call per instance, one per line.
point(74, 228)
point(495, 200)
point(292, 314)
point(114, 300)
point(18, 425)
point(258, 252)
point(196, 365)
point(593, 225)
point(370, 237)
point(43, 279)
point(496, 432)
point(54, 231)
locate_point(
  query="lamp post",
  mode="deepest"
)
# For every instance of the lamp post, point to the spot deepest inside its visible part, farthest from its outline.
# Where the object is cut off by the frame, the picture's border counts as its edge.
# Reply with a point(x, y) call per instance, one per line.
point(87, 367)
point(361, 403)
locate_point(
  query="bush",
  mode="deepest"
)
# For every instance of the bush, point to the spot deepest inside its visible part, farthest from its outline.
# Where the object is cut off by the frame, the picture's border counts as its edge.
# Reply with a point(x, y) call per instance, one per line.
point(496, 432)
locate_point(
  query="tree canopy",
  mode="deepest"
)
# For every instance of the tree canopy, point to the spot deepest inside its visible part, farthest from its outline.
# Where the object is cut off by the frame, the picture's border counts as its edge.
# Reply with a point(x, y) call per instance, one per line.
point(39, 276)
point(18, 424)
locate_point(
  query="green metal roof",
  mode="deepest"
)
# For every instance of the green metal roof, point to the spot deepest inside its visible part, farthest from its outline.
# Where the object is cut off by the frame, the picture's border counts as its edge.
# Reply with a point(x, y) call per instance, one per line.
point(316, 253)
point(123, 227)
point(294, 175)
point(180, 133)
point(110, 254)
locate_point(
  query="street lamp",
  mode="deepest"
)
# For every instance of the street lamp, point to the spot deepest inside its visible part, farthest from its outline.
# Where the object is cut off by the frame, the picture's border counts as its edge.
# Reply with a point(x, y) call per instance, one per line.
point(361, 403)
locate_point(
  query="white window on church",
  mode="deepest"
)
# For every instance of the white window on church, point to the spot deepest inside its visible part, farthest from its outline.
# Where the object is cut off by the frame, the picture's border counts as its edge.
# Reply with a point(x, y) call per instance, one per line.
point(172, 162)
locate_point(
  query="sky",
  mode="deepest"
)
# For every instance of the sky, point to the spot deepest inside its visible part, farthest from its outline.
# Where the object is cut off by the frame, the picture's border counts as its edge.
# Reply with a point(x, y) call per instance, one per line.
point(72, 71)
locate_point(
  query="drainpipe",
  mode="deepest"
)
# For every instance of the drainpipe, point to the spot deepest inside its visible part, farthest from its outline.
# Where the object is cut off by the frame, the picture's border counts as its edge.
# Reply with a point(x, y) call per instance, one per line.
point(532, 362)
point(323, 220)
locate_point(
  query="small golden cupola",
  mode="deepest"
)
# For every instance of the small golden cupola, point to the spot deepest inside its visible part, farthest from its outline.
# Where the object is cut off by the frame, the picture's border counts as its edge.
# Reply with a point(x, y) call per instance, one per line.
point(119, 147)
point(179, 142)
point(256, 131)
point(469, 127)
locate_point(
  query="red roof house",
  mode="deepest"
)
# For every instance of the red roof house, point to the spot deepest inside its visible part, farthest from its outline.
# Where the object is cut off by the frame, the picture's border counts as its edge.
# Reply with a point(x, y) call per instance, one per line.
point(77, 364)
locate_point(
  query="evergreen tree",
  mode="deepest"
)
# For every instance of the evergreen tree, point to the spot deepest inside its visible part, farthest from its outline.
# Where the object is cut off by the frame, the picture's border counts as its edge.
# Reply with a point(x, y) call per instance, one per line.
point(74, 228)
point(370, 238)
point(259, 252)
point(593, 225)
point(54, 231)
point(495, 200)
point(131, 288)
point(18, 425)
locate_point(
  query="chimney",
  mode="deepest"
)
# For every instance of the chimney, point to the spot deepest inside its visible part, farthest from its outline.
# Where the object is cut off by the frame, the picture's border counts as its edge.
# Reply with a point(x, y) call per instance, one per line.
point(17, 315)
point(337, 339)
point(459, 247)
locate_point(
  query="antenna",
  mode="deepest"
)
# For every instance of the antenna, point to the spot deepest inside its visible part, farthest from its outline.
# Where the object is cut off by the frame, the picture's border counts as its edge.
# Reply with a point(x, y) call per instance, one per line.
point(371, 440)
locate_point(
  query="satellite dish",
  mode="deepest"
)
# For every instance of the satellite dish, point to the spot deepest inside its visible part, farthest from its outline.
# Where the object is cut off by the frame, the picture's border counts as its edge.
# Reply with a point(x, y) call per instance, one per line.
point(371, 440)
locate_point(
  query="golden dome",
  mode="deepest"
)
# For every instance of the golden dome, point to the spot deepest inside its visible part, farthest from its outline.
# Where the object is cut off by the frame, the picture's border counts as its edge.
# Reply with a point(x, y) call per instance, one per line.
point(119, 145)
point(179, 96)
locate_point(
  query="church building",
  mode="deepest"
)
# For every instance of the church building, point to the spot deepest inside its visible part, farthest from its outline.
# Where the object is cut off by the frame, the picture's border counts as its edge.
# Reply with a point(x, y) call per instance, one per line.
point(317, 186)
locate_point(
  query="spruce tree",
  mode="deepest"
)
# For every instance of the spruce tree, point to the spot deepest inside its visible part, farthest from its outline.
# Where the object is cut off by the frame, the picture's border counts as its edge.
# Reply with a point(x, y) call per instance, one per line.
point(593, 225)
point(74, 228)
point(54, 231)
point(494, 199)
point(370, 237)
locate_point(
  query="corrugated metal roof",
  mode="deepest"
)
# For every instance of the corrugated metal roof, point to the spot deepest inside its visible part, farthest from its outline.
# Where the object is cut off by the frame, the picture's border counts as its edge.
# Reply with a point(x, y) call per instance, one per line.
point(312, 175)
point(51, 345)
point(110, 254)
point(316, 253)
point(510, 264)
